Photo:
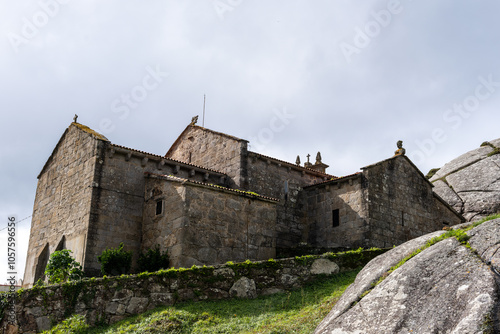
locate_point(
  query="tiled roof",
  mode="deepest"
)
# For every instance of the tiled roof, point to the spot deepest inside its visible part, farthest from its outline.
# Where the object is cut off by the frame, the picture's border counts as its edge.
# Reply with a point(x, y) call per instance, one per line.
point(335, 179)
point(236, 191)
point(292, 164)
point(165, 158)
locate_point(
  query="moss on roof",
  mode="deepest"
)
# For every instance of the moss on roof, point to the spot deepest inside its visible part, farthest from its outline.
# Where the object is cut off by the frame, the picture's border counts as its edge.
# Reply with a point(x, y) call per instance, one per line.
point(90, 131)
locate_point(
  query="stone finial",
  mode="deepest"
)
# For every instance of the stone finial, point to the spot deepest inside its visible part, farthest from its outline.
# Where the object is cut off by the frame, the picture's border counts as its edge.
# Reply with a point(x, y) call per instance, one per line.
point(75, 118)
point(400, 150)
point(194, 120)
point(318, 158)
point(308, 163)
point(297, 161)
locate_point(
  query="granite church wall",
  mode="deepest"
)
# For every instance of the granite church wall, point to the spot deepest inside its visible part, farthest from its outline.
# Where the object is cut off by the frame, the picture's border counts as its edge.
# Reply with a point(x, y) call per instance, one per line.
point(120, 199)
point(267, 176)
point(202, 224)
point(336, 214)
point(402, 204)
point(61, 210)
point(211, 149)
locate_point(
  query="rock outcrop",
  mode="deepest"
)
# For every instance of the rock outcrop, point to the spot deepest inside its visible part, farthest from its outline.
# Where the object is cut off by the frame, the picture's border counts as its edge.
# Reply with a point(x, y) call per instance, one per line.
point(471, 182)
point(446, 288)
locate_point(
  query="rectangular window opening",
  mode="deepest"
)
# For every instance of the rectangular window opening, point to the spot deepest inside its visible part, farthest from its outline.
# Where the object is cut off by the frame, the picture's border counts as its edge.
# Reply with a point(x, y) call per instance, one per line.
point(159, 207)
point(335, 218)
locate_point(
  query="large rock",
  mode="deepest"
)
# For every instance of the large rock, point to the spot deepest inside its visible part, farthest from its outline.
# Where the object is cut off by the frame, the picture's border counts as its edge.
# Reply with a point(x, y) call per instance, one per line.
point(447, 288)
point(243, 288)
point(471, 182)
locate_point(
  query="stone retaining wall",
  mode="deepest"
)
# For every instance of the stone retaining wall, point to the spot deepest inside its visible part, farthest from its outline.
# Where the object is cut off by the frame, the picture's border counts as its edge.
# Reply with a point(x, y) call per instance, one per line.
point(108, 300)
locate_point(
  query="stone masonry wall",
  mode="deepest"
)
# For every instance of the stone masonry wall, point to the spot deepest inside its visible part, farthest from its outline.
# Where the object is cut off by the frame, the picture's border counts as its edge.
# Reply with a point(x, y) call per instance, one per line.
point(203, 147)
point(121, 199)
point(267, 176)
point(346, 196)
point(108, 300)
point(208, 225)
point(63, 201)
point(402, 205)
point(165, 229)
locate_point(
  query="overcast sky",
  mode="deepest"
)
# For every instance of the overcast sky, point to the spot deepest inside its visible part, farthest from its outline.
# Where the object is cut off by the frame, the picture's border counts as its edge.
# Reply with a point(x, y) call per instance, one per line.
point(345, 78)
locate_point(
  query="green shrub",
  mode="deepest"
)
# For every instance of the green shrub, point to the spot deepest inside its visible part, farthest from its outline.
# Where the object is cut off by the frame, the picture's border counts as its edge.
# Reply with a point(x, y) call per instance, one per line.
point(75, 324)
point(432, 172)
point(153, 260)
point(115, 261)
point(62, 267)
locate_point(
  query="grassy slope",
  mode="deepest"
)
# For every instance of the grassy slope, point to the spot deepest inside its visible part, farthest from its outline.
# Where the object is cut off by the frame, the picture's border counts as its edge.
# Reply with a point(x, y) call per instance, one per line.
point(298, 311)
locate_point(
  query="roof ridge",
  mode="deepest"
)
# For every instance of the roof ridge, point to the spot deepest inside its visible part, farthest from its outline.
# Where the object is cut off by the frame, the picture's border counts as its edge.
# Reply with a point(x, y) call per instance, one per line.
point(237, 191)
point(218, 132)
point(340, 178)
point(90, 131)
point(292, 164)
point(167, 158)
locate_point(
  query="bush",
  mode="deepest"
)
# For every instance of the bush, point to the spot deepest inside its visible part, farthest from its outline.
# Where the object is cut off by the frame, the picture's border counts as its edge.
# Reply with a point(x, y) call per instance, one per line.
point(62, 267)
point(115, 261)
point(153, 260)
point(75, 324)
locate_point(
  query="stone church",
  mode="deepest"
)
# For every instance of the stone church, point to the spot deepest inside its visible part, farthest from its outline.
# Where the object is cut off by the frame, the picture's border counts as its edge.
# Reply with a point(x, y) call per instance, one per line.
point(210, 200)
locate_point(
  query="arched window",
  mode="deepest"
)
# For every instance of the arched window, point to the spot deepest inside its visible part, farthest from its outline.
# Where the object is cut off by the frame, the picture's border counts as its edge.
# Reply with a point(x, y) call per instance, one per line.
point(41, 263)
point(62, 244)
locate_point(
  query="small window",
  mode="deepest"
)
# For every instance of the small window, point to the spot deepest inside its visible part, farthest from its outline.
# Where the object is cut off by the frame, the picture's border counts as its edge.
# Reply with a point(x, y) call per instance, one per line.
point(159, 207)
point(446, 224)
point(335, 218)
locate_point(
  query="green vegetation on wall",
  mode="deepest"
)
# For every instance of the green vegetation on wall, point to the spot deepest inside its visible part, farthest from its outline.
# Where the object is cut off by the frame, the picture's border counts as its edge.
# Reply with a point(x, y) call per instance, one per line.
point(115, 261)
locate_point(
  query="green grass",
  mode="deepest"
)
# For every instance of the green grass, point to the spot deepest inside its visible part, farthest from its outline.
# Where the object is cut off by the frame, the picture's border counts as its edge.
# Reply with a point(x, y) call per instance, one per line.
point(479, 222)
point(298, 311)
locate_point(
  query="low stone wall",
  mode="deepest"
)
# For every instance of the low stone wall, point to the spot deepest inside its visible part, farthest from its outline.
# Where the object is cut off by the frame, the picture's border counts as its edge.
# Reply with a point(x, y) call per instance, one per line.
point(110, 299)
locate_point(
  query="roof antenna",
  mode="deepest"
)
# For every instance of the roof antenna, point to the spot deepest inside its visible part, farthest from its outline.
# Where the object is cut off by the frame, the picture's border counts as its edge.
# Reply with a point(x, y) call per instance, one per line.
point(204, 99)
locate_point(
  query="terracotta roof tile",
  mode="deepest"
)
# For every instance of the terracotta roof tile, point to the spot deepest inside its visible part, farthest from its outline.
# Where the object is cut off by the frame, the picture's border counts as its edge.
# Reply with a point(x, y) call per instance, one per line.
point(236, 191)
point(169, 159)
point(335, 179)
point(293, 165)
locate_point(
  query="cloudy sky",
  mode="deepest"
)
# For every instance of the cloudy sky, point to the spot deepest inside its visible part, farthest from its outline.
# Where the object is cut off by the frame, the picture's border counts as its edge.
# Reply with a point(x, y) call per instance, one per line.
point(345, 78)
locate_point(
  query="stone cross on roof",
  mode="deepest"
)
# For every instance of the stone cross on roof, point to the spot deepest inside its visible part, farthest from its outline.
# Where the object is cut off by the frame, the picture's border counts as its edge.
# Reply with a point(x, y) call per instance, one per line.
point(75, 118)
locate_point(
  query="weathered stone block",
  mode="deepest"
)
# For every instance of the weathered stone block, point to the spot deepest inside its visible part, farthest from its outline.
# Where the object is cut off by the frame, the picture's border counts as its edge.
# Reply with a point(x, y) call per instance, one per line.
point(243, 288)
point(137, 305)
point(324, 266)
